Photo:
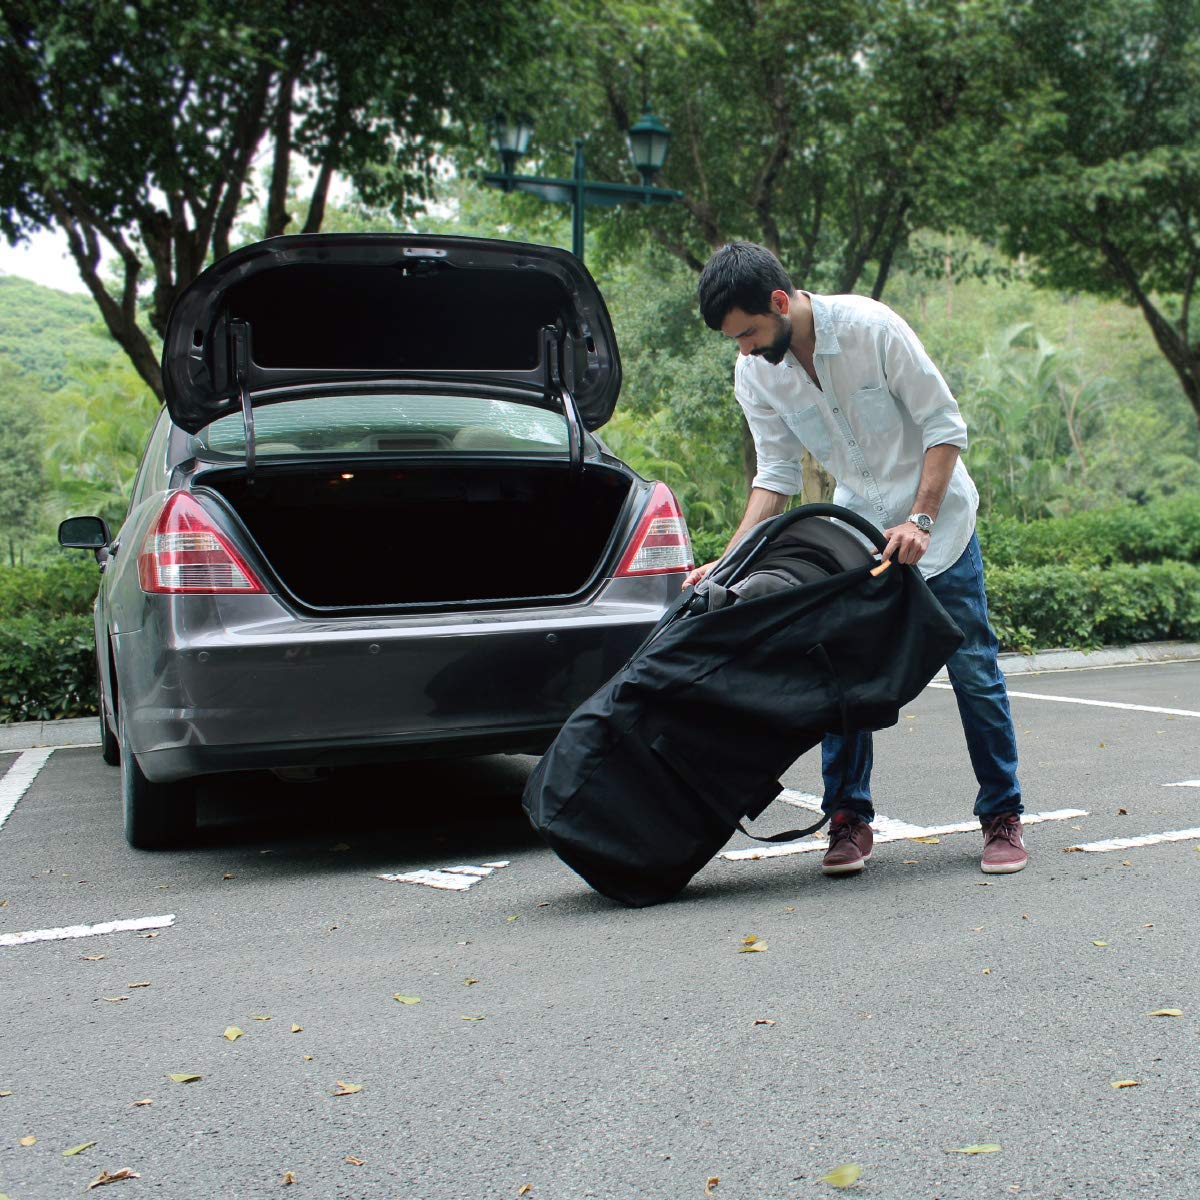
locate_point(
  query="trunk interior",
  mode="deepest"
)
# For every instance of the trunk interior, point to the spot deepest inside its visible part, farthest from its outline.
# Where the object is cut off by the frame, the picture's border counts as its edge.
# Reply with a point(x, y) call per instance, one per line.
point(429, 534)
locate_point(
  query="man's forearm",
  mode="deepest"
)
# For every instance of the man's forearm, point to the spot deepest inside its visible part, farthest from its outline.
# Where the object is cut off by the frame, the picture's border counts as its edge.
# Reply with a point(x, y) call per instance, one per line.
point(761, 505)
point(935, 478)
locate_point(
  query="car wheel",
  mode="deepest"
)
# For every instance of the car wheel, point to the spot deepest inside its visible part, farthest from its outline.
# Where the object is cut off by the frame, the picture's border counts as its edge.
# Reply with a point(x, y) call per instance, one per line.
point(110, 748)
point(158, 816)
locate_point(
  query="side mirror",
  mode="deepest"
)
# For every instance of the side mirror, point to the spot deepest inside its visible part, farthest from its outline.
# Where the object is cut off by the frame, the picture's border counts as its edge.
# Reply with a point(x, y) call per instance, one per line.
point(84, 533)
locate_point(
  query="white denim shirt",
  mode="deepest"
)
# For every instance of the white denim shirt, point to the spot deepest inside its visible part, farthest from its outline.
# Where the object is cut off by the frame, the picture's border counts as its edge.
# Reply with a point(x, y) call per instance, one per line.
point(881, 404)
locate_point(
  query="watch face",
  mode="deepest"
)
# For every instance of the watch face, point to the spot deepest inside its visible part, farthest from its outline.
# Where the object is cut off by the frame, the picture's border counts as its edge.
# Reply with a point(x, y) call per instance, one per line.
point(922, 522)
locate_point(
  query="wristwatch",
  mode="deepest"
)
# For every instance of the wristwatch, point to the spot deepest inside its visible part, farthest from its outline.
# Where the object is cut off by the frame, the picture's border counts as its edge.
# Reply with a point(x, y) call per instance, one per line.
point(923, 521)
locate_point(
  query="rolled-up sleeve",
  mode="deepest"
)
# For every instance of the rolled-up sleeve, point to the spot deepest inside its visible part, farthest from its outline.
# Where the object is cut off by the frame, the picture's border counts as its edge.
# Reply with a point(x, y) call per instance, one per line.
point(777, 449)
point(918, 385)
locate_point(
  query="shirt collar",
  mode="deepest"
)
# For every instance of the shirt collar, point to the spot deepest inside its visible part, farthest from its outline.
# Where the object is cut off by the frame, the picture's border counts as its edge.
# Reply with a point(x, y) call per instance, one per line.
point(826, 340)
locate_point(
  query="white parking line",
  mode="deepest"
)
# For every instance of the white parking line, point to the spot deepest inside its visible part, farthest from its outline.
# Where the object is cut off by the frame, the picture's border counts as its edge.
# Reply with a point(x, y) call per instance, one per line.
point(1184, 783)
point(78, 931)
point(19, 776)
point(449, 879)
point(1175, 712)
point(889, 830)
point(1149, 839)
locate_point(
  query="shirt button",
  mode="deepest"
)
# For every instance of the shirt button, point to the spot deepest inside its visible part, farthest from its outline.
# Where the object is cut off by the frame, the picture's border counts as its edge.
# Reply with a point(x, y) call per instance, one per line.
point(837, 410)
point(850, 443)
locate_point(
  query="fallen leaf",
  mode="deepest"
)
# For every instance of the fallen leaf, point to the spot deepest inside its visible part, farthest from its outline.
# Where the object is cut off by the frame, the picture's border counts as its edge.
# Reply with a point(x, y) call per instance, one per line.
point(93, 957)
point(1072, 849)
point(141, 1103)
point(341, 846)
point(228, 876)
point(3, 1094)
point(232, 1033)
point(764, 1021)
point(113, 999)
point(347, 1089)
point(289, 1177)
point(710, 1185)
point(148, 935)
point(1123, 1083)
point(1151, 925)
point(472, 1018)
point(407, 999)
point(516, 918)
point(751, 944)
point(1121, 812)
point(1102, 945)
point(308, 1058)
point(911, 862)
point(525, 1189)
point(1126, 863)
point(927, 841)
point(28, 1141)
point(982, 1148)
point(111, 1177)
point(254, 1018)
point(297, 1028)
point(137, 985)
point(468, 982)
point(354, 1162)
point(986, 971)
point(185, 1078)
point(843, 1176)
point(1166, 1012)
point(77, 1149)
point(789, 908)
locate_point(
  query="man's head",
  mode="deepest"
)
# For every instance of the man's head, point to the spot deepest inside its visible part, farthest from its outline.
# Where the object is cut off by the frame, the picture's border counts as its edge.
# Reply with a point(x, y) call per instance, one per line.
point(746, 294)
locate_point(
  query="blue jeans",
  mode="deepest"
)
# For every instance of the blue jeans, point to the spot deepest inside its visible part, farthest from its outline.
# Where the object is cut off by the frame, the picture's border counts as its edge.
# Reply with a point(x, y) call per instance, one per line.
point(982, 705)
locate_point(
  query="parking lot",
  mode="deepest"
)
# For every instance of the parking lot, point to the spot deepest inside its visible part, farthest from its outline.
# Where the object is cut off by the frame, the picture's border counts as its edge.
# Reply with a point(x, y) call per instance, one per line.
point(509, 1033)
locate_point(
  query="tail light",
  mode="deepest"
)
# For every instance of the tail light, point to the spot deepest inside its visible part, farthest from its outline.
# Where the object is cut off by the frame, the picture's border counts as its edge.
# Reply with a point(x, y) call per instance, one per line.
point(661, 542)
point(185, 554)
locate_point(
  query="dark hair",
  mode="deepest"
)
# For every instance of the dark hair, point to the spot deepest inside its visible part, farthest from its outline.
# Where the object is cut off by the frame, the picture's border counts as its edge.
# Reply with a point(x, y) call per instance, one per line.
point(741, 275)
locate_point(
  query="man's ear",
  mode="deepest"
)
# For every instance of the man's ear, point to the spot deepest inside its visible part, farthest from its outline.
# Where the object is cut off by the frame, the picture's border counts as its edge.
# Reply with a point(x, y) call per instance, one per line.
point(780, 302)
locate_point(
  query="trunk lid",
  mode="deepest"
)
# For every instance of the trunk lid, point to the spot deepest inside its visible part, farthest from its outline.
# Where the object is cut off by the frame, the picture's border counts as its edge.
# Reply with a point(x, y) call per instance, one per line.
point(288, 316)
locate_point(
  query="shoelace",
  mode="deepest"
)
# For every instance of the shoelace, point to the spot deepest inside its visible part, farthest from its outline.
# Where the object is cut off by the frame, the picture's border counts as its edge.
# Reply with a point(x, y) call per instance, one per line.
point(840, 833)
point(1010, 831)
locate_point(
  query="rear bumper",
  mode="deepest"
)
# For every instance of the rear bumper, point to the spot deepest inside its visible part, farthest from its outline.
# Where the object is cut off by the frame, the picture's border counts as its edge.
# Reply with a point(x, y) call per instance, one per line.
point(269, 690)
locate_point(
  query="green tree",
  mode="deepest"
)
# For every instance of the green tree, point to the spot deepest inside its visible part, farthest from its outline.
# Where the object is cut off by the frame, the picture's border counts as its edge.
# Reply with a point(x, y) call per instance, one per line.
point(134, 125)
point(96, 432)
point(1099, 178)
point(22, 479)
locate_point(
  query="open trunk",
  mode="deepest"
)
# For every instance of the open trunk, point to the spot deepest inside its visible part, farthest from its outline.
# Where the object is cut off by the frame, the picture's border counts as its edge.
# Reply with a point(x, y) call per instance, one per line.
point(371, 536)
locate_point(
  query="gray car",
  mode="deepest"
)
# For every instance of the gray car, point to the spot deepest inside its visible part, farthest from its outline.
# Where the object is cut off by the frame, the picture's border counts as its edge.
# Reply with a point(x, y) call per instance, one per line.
point(373, 520)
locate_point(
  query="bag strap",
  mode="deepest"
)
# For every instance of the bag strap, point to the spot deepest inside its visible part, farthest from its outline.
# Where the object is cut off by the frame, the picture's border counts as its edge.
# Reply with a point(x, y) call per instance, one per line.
point(821, 655)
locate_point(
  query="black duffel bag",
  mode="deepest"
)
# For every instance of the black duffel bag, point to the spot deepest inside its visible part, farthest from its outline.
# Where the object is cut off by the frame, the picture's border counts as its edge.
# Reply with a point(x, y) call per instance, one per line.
point(797, 632)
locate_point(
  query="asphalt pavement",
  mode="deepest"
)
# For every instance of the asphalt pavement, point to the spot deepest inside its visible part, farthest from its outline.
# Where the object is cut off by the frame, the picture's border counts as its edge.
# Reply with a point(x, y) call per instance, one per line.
point(562, 1047)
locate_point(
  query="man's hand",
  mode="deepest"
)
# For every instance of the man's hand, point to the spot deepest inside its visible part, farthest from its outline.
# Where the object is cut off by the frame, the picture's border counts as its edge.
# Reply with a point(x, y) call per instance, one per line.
point(906, 543)
point(693, 577)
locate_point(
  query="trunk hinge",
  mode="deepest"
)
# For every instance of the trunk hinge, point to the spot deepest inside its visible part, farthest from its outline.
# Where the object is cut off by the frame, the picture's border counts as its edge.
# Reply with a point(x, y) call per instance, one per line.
point(556, 390)
point(239, 353)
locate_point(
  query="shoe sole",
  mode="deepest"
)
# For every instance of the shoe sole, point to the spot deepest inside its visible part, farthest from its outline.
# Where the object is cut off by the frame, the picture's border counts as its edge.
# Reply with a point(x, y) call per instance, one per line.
point(1003, 868)
point(845, 868)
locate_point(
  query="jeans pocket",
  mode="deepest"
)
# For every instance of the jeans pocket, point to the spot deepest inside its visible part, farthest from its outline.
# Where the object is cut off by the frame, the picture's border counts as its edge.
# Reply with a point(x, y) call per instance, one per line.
point(809, 426)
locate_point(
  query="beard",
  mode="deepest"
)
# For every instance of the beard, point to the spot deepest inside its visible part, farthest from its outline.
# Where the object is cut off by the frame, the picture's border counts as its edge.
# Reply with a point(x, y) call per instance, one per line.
point(779, 345)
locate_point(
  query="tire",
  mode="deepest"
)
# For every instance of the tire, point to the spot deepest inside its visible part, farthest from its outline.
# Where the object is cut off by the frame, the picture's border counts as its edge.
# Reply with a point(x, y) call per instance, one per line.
point(158, 816)
point(110, 748)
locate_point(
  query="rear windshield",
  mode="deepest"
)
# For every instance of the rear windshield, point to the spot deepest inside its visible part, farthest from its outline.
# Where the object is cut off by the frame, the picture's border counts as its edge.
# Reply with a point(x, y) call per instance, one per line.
point(388, 423)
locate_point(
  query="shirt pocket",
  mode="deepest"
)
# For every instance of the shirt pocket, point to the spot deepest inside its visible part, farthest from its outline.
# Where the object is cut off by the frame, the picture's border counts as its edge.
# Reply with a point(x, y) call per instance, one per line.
point(875, 414)
point(809, 426)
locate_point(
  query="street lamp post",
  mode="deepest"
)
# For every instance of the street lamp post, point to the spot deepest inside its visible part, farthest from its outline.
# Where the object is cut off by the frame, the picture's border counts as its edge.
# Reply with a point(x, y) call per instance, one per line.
point(648, 141)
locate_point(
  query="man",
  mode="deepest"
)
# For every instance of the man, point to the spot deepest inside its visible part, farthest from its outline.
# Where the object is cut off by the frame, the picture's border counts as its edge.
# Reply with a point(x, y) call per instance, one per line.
point(845, 378)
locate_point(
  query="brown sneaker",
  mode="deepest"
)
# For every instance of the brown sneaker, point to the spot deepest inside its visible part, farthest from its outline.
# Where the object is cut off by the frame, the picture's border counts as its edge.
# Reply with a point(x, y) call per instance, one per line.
point(1003, 845)
point(850, 842)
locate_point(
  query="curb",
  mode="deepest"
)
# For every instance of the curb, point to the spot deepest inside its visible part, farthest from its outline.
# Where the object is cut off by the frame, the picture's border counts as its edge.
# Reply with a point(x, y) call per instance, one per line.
point(1108, 656)
point(76, 731)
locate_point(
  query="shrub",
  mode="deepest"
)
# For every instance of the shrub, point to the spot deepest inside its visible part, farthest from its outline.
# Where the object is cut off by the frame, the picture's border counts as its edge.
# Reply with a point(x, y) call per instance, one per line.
point(64, 587)
point(47, 668)
point(1084, 607)
point(1167, 529)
